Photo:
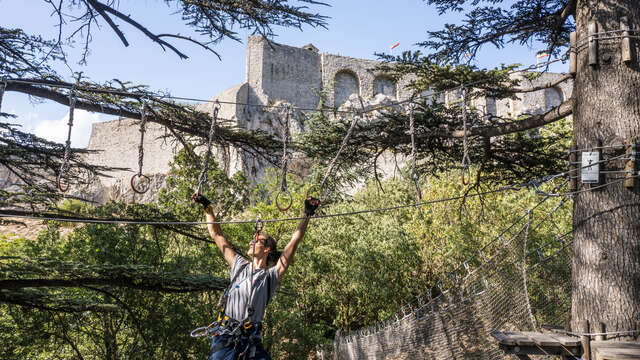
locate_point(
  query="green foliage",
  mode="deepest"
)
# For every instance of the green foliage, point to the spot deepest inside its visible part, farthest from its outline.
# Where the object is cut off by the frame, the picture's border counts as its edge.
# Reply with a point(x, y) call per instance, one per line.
point(348, 271)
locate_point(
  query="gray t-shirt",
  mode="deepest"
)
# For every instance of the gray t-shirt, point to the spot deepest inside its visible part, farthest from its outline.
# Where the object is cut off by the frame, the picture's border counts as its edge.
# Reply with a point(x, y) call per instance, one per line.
point(239, 292)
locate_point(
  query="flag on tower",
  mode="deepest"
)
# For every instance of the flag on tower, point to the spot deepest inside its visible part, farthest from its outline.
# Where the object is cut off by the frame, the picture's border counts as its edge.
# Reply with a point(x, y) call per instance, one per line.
point(541, 56)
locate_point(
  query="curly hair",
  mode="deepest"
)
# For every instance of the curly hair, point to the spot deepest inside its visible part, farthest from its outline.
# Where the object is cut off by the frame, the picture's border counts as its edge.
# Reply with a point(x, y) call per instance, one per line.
point(272, 244)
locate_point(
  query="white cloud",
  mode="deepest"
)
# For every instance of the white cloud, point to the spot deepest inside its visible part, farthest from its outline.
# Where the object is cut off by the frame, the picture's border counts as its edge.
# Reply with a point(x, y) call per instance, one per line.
point(56, 130)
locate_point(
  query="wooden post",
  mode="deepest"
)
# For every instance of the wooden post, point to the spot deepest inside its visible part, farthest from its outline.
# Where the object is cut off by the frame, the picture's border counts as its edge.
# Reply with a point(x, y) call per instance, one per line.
point(586, 341)
point(593, 44)
point(625, 44)
point(630, 166)
point(601, 329)
point(573, 59)
point(573, 174)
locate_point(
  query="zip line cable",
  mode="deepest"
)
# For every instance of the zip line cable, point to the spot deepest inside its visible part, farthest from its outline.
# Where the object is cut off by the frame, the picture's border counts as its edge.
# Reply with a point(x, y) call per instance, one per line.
point(535, 183)
point(53, 217)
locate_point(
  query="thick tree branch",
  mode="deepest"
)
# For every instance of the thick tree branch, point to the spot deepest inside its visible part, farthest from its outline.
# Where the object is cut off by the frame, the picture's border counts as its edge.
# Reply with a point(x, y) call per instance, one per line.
point(561, 111)
point(546, 85)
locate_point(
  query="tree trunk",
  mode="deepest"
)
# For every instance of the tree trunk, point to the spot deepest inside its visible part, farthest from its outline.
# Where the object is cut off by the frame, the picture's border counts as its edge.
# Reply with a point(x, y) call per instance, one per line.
point(606, 248)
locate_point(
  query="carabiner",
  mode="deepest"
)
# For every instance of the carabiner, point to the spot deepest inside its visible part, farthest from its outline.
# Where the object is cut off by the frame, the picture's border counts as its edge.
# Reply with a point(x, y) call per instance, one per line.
point(146, 182)
point(257, 227)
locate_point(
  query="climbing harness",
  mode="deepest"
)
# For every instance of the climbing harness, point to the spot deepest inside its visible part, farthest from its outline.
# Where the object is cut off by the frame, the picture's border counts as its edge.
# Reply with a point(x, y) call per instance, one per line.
point(466, 162)
point(202, 179)
point(244, 335)
point(67, 146)
point(414, 173)
point(285, 160)
point(145, 181)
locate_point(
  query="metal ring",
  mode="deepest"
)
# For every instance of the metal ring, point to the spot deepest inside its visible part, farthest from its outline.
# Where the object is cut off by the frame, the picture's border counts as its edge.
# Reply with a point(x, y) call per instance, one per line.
point(286, 192)
point(59, 184)
point(467, 178)
point(308, 193)
point(144, 189)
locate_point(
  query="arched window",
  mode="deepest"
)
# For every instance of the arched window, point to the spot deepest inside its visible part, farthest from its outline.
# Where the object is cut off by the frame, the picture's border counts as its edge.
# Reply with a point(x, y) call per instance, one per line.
point(345, 84)
point(384, 85)
point(552, 98)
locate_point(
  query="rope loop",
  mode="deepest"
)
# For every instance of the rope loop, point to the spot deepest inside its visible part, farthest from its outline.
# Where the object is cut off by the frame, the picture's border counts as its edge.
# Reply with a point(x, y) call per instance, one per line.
point(202, 179)
point(67, 145)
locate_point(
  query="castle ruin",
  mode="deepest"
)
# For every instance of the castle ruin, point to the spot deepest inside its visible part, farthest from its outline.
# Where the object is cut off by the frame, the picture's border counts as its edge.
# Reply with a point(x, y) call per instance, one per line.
point(277, 73)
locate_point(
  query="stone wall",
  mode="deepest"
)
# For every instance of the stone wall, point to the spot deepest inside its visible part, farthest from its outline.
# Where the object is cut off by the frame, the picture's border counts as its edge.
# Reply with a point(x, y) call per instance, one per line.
point(281, 74)
point(116, 144)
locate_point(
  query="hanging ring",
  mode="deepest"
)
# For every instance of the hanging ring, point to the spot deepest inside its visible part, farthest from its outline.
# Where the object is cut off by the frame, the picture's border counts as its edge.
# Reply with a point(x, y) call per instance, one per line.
point(143, 189)
point(62, 188)
point(466, 174)
point(290, 202)
point(324, 192)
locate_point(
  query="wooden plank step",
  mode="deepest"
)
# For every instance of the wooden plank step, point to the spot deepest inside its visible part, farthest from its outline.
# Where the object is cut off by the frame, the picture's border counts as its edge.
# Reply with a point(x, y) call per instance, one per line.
point(612, 350)
point(530, 338)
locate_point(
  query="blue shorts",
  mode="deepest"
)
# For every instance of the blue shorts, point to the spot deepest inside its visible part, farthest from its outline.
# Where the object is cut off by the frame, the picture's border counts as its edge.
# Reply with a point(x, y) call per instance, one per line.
point(228, 352)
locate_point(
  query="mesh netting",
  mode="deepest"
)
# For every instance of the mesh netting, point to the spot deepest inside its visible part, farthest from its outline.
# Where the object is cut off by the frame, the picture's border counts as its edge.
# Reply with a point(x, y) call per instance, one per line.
point(518, 287)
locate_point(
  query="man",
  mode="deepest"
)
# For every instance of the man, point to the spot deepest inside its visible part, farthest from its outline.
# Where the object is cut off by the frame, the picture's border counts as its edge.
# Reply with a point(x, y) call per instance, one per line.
point(237, 332)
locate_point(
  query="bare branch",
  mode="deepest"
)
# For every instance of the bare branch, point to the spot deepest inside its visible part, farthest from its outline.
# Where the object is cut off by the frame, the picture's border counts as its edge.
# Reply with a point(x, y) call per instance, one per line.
point(191, 40)
point(100, 9)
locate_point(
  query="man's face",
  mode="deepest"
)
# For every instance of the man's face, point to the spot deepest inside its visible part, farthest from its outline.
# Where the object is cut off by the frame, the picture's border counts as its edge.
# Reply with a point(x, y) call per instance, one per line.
point(257, 247)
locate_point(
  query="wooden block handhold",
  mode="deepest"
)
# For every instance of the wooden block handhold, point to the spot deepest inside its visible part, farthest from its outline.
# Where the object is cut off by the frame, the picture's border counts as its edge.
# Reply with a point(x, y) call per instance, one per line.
point(630, 166)
point(625, 44)
point(573, 59)
point(593, 44)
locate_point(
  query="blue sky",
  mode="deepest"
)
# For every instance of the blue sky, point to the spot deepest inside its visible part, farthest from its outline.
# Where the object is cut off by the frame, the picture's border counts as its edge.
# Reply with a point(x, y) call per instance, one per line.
point(356, 28)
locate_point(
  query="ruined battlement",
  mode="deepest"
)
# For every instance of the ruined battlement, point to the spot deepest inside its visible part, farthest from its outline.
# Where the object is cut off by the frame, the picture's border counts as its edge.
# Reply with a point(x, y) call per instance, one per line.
point(277, 73)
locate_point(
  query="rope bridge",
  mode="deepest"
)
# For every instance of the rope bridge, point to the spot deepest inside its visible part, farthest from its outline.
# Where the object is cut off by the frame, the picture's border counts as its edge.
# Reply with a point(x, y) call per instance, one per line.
point(453, 320)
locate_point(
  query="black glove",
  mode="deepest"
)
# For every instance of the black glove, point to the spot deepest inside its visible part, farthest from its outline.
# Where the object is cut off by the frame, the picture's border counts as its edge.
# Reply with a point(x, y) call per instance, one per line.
point(200, 199)
point(311, 205)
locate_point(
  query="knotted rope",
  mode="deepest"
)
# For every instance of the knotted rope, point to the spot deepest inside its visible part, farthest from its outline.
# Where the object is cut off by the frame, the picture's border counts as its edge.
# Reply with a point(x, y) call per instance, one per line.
point(344, 144)
point(285, 161)
point(145, 180)
point(202, 179)
point(67, 146)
